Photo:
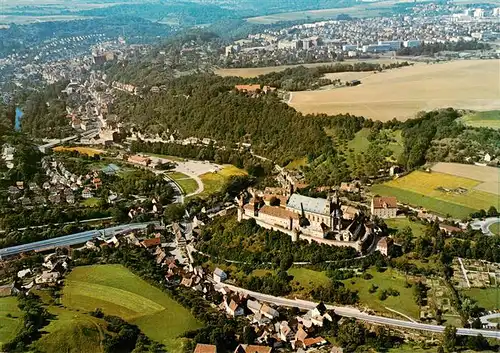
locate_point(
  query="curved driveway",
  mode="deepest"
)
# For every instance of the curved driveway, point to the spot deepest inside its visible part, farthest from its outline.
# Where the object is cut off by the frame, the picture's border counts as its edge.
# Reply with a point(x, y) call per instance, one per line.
point(485, 225)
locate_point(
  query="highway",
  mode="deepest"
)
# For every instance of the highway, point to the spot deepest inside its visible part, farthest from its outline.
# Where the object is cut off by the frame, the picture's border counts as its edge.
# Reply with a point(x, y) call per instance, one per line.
point(72, 239)
point(357, 314)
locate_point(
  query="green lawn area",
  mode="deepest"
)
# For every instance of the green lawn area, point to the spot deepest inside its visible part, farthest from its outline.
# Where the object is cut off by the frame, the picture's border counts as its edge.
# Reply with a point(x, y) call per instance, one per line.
point(418, 200)
point(304, 280)
point(489, 119)
point(91, 202)
point(71, 331)
point(396, 224)
point(495, 228)
point(172, 158)
point(295, 164)
point(404, 303)
point(117, 291)
point(9, 325)
point(214, 182)
point(360, 143)
point(187, 183)
point(488, 298)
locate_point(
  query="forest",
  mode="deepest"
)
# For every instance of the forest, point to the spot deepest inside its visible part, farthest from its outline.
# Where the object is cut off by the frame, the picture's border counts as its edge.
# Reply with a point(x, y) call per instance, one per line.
point(432, 48)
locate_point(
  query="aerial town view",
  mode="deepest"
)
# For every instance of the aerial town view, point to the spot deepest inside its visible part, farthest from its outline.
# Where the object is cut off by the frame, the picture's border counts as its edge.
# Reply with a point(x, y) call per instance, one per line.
point(243, 176)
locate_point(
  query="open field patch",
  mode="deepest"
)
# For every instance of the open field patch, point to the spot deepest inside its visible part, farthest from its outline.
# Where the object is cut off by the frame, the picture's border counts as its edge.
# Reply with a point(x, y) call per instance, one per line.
point(419, 200)
point(187, 183)
point(489, 119)
point(71, 331)
point(10, 319)
point(489, 177)
point(396, 224)
point(403, 303)
point(214, 181)
point(248, 72)
point(304, 280)
point(401, 93)
point(83, 150)
point(488, 298)
point(446, 187)
point(117, 291)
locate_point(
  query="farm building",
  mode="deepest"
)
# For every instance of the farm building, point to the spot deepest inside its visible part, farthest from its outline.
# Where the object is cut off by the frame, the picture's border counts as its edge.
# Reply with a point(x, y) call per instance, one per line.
point(384, 207)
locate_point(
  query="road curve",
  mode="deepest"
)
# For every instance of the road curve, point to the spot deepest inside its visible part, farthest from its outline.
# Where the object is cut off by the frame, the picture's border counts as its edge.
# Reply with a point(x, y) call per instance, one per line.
point(72, 239)
point(357, 314)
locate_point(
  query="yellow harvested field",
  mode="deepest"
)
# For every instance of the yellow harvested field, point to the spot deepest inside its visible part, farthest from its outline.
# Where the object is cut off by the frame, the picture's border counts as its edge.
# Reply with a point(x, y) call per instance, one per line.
point(488, 176)
point(83, 150)
point(256, 71)
point(401, 93)
point(446, 187)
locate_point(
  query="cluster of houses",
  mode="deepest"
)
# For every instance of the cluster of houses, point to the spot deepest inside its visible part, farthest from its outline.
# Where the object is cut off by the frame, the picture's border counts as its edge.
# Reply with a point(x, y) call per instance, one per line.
point(53, 268)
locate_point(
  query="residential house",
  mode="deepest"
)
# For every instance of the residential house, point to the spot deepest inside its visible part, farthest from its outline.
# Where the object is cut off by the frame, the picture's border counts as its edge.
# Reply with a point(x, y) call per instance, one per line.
point(285, 332)
point(47, 277)
point(23, 273)
point(205, 348)
point(219, 275)
point(144, 161)
point(87, 193)
point(187, 281)
point(269, 312)
point(254, 306)
point(299, 338)
point(70, 199)
point(151, 243)
point(314, 342)
point(233, 308)
point(384, 207)
point(250, 348)
point(449, 229)
point(349, 187)
point(385, 245)
point(8, 290)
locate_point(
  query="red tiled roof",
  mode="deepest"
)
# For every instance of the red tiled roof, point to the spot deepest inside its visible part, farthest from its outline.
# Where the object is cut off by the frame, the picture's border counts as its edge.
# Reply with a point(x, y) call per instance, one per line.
point(278, 212)
point(449, 228)
point(385, 202)
point(148, 243)
point(205, 348)
point(312, 341)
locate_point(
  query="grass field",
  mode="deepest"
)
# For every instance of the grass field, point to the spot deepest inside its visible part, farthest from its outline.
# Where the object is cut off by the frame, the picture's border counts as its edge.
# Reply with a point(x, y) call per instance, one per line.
point(401, 93)
point(256, 71)
point(360, 143)
point(488, 298)
point(404, 303)
point(495, 228)
point(487, 176)
point(71, 331)
point(119, 292)
point(421, 189)
point(9, 325)
point(489, 119)
point(418, 200)
point(91, 202)
point(213, 182)
point(396, 224)
point(304, 280)
point(187, 183)
point(83, 150)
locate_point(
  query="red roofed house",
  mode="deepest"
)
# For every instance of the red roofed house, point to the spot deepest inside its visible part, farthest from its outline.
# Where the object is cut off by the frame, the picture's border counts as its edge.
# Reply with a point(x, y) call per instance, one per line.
point(205, 348)
point(254, 88)
point(250, 348)
point(449, 229)
point(145, 161)
point(384, 207)
point(384, 245)
point(314, 342)
point(151, 243)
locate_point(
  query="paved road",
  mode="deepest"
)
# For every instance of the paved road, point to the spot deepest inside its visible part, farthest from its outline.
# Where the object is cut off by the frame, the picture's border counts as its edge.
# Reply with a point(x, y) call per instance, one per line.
point(72, 239)
point(355, 313)
point(485, 225)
